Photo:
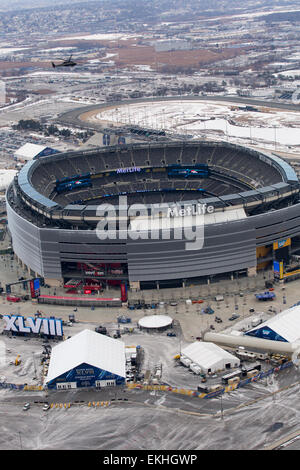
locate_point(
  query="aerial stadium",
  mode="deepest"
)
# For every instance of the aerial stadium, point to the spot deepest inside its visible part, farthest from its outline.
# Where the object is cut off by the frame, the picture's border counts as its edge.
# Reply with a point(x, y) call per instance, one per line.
point(53, 215)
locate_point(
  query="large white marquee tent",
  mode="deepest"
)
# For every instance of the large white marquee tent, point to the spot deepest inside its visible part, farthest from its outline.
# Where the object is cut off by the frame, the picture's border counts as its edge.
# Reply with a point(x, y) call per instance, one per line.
point(207, 357)
point(87, 359)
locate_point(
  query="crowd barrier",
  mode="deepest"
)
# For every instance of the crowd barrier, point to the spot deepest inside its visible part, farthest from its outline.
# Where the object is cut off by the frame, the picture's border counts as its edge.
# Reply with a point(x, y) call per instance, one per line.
point(60, 405)
point(33, 388)
point(11, 386)
point(167, 388)
point(225, 389)
point(21, 386)
point(98, 403)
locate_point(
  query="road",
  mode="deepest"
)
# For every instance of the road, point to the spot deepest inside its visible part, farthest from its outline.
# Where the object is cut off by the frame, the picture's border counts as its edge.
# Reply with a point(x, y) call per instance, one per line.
point(149, 420)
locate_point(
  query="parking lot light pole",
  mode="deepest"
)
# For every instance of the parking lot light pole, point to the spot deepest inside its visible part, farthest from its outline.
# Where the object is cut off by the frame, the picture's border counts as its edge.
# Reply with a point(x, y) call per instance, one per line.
point(222, 414)
point(21, 447)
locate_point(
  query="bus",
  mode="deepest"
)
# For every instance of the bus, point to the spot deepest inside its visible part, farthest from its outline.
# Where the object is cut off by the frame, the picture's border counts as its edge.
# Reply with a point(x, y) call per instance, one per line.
point(232, 375)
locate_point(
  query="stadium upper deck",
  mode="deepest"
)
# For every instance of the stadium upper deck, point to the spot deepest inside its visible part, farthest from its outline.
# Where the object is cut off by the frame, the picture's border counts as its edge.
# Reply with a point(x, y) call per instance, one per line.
point(237, 177)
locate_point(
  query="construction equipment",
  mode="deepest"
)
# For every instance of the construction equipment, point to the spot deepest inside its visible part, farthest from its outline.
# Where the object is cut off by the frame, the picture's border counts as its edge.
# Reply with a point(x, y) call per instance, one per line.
point(18, 360)
point(102, 330)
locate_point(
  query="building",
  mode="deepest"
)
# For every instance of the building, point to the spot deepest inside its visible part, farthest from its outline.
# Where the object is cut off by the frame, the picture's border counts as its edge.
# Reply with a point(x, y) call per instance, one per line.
point(52, 209)
point(87, 359)
point(202, 357)
point(284, 326)
point(30, 151)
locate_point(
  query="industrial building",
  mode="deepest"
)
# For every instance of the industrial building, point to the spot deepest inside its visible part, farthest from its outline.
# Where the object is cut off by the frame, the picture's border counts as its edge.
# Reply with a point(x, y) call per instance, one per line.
point(284, 326)
point(87, 359)
point(207, 358)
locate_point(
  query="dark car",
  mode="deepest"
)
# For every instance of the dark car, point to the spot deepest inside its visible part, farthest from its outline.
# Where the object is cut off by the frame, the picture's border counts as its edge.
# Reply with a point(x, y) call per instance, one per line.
point(171, 334)
point(234, 317)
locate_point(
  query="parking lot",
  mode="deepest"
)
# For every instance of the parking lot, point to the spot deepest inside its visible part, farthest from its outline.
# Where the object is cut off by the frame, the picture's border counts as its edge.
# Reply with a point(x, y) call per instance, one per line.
point(158, 349)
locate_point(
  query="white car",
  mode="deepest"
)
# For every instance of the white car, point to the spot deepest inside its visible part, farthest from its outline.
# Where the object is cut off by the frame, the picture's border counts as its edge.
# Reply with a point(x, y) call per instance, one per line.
point(46, 407)
point(26, 406)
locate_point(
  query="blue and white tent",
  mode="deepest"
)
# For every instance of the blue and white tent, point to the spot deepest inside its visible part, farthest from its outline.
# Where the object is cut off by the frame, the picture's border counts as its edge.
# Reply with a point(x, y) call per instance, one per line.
point(282, 327)
point(88, 359)
point(31, 151)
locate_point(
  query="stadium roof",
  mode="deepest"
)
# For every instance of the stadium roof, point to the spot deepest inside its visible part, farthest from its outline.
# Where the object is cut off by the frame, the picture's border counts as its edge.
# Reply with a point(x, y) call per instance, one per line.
point(209, 355)
point(87, 347)
point(282, 327)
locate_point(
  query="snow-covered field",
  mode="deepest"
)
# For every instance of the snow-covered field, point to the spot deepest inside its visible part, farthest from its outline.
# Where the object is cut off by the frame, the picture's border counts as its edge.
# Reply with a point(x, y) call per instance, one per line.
point(99, 37)
point(10, 50)
point(290, 73)
point(152, 424)
point(269, 126)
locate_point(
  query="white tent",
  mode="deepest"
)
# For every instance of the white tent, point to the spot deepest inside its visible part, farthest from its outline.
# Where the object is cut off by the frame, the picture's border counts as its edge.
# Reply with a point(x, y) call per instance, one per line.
point(87, 347)
point(208, 356)
point(6, 177)
point(155, 321)
point(30, 151)
point(284, 326)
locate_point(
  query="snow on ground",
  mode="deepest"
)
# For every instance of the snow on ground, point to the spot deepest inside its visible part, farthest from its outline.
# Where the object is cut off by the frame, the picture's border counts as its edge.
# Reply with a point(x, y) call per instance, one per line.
point(294, 56)
point(151, 424)
point(11, 50)
point(192, 116)
point(99, 37)
point(69, 74)
point(66, 48)
point(289, 73)
point(29, 352)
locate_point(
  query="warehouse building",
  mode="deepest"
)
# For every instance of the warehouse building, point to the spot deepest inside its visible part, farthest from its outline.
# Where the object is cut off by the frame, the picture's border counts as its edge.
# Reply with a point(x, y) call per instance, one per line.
point(207, 358)
point(282, 327)
point(88, 359)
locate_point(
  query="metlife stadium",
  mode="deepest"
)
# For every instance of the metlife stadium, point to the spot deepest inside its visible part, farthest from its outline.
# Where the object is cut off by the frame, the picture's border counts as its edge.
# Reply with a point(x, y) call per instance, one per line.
point(252, 196)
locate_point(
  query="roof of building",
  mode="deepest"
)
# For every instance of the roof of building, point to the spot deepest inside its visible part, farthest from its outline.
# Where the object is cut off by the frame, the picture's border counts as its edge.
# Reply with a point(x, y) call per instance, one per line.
point(285, 326)
point(91, 348)
point(206, 354)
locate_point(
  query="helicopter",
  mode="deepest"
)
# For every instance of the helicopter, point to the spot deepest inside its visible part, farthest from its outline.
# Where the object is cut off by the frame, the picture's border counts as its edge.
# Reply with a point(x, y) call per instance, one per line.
point(65, 63)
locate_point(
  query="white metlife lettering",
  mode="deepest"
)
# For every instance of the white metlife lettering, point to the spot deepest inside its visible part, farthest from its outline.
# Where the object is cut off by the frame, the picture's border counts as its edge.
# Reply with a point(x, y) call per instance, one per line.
point(191, 209)
point(140, 222)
